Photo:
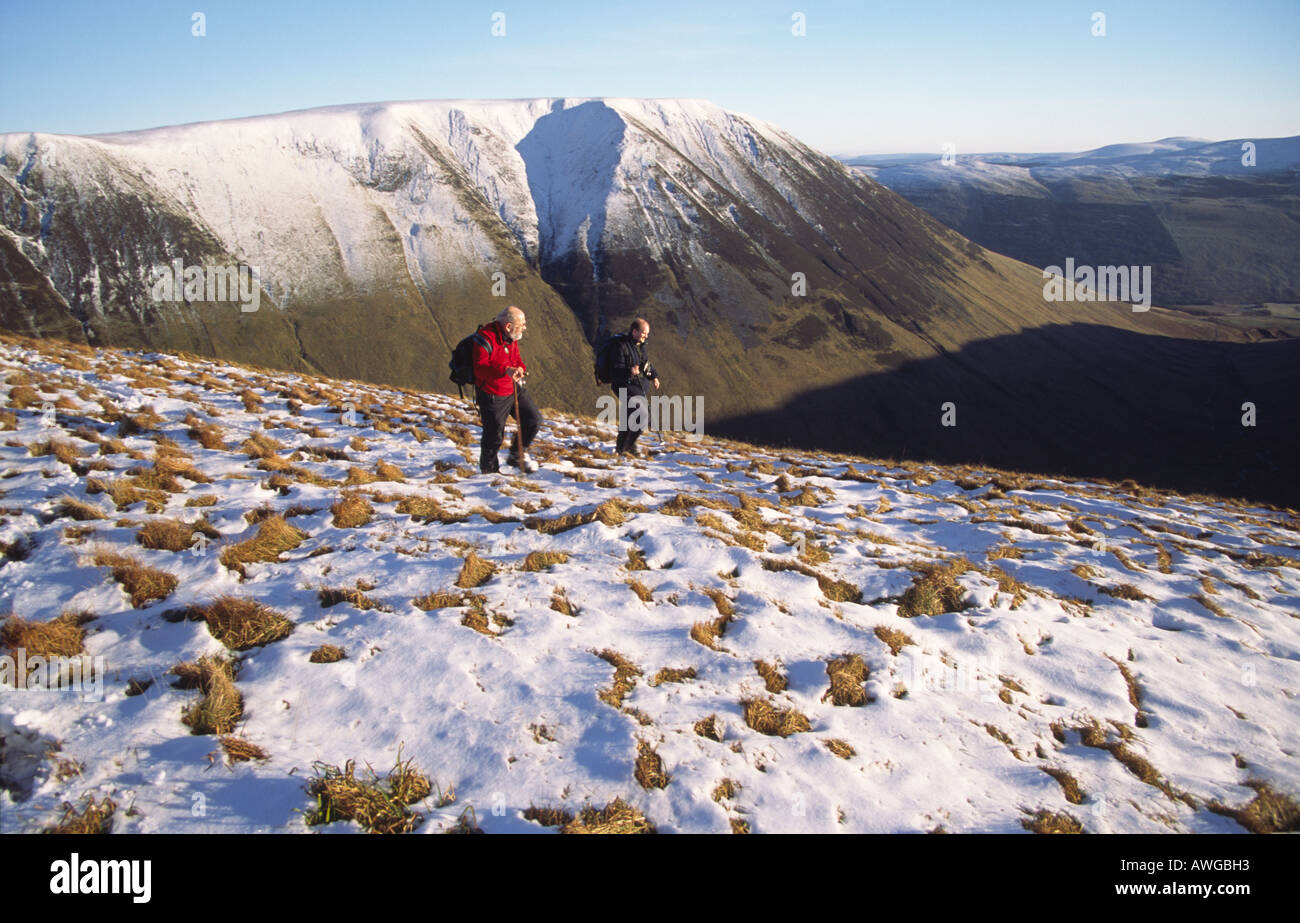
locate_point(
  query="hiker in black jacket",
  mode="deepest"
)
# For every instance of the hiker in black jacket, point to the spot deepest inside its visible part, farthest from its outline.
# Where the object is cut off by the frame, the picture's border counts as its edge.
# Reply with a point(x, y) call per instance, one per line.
point(630, 370)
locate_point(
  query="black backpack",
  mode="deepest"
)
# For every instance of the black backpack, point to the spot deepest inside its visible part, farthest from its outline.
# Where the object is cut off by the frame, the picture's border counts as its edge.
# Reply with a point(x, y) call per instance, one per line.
point(606, 353)
point(462, 358)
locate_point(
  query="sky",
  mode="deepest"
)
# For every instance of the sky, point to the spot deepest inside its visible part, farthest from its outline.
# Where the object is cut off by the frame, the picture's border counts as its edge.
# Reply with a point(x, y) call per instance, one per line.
point(864, 77)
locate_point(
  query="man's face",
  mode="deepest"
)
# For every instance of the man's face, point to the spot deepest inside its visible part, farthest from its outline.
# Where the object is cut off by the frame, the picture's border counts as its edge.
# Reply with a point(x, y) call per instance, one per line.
point(516, 328)
point(642, 334)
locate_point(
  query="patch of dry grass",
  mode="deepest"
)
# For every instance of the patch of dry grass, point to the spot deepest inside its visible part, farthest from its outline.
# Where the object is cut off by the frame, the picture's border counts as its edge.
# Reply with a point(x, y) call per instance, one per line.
point(145, 585)
point(642, 591)
point(625, 674)
point(220, 705)
point(93, 818)
point(474, 572)
point(847, 674)
point(1069, 785)
point(765, 717)
point(672, 675)
point(63, 636)
point(649, 770)
point(708, 728)
point(1267, 812)
point(352, 511)
point(841, 748)
point(1044, 821)
point(544, 560)
point(327, 653)
point(835, 590)
point(377, 806)
point(896, 639)
point(240, 624)
point(275, 536)
point(332, 596)
point(773, 679)
point(173, 534)
point(1125, 591)
point(239, 750)
point(617, 817)
point(935, 590)
point(72, 508)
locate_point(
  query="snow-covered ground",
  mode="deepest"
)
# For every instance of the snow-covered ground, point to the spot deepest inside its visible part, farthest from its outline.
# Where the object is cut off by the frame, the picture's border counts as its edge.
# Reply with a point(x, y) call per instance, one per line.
point(1137, 710)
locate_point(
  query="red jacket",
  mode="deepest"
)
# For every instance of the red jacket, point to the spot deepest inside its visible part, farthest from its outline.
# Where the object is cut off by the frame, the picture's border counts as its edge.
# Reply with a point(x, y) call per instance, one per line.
point(490, 365)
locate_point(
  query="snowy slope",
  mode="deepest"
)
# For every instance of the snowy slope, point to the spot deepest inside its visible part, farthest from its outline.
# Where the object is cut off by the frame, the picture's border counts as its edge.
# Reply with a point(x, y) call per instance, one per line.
point(307, 195)
point(1039, 691)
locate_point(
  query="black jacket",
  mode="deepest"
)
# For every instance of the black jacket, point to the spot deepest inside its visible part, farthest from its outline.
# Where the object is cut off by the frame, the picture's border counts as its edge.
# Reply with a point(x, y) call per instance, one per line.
point(627, 355)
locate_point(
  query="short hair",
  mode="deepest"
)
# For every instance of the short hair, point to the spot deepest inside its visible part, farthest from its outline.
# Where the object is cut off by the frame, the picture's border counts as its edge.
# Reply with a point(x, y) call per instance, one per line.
point(639, 324)
point(507, 315)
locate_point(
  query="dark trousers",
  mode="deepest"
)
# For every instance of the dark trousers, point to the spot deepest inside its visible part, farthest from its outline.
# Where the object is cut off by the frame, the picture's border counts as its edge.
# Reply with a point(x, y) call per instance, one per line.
point(493, 411)
point(629, 434)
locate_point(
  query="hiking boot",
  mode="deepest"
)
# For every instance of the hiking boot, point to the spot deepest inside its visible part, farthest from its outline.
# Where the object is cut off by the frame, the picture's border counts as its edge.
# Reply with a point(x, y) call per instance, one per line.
point(526, 465)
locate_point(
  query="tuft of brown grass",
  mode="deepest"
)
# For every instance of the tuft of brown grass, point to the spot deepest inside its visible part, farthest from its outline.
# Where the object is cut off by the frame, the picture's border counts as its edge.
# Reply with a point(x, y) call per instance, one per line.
point(548, 817)
point(327, 653)
point(260, 445)
point(896, 639)
point(672, 675)
point(274, 537)
point(72, 508)
point(145, 585)
point(352, 511)
point(773, 678)
point(616, 817)
point(427, 509)
point(1069, 785)
point(766, 718)
point(642, 591)
point(625, 674)
point(1125, 591)
point(725, 790)
point(935, 590)
point(560, 603)
point(649, 771)
point(220, 705)
point(839, 591)
point(439, 599)
point(94, 817)
point(1044, 821)
point(240, 624)
point(708, 728)
point(1267, 812)
point(544, 560)
point(474, 572)
point(239, 750)
point(377, 806)
point(847, 674)
point(328, 597)
point(841, 748)
point(59, 637)
point(173, 534)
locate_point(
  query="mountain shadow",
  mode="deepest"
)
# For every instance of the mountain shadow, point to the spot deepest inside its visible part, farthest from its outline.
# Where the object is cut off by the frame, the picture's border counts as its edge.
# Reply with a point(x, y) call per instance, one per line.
point(1079, 399)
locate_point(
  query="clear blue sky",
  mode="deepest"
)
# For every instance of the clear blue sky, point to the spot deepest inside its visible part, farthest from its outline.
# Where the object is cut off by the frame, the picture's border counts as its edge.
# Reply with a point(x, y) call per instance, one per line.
point(872, 76)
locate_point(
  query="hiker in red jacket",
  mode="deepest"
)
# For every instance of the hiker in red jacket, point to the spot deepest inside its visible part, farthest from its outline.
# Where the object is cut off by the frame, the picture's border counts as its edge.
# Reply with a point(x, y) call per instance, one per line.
point(498, 378)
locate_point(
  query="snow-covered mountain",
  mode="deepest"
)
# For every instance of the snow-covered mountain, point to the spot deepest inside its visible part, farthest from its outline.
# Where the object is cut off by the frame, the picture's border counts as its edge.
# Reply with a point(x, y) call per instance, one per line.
point(265, 594)
point(381, 234)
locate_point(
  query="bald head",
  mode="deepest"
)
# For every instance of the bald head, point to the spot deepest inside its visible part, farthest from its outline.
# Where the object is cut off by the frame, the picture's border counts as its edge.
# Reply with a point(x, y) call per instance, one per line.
point(640, 329)
point(512, 319)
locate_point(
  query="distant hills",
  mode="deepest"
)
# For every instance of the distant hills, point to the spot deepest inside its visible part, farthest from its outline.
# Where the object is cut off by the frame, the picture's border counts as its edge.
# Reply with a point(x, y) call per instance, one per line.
point(1218, 221)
